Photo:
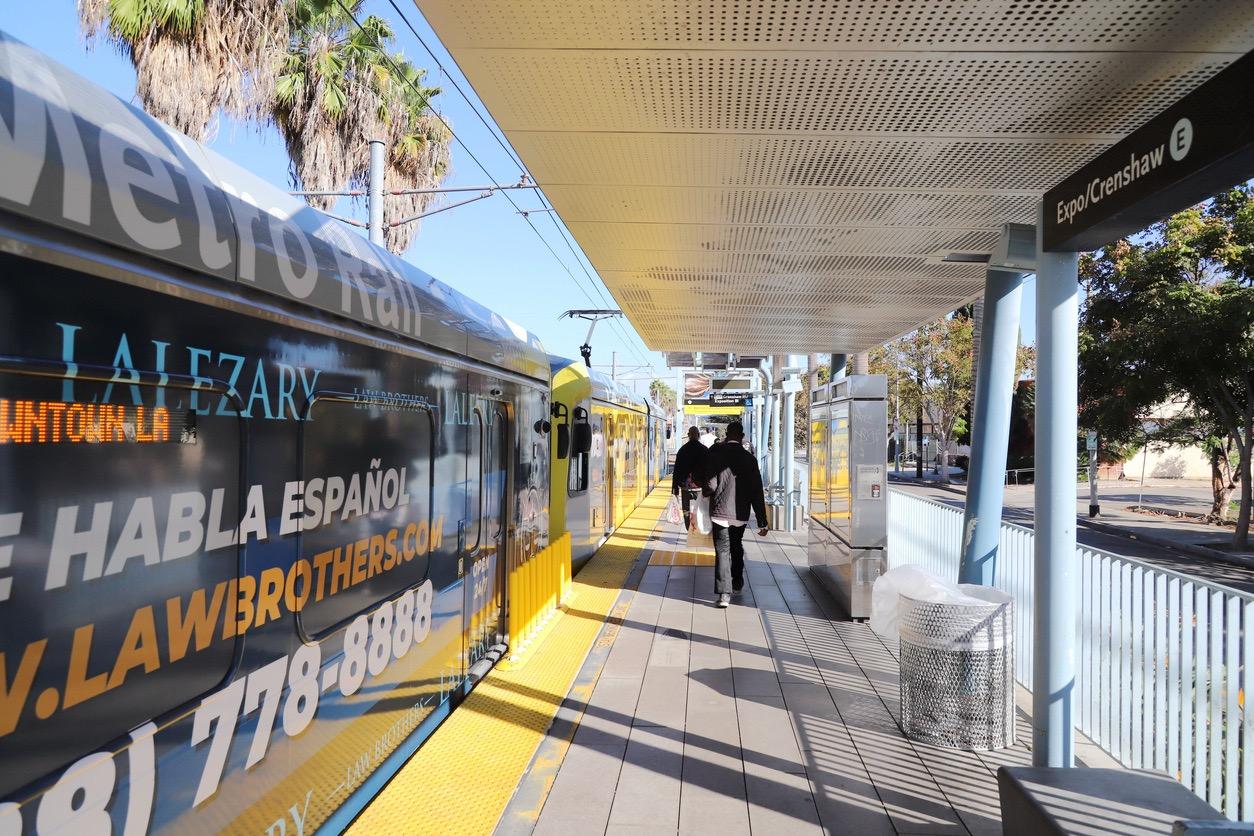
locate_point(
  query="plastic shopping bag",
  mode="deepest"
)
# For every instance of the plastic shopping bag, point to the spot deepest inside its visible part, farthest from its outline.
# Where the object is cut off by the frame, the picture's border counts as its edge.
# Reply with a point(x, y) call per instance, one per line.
point(701, 514)
point(674, 513)
point(699, 540)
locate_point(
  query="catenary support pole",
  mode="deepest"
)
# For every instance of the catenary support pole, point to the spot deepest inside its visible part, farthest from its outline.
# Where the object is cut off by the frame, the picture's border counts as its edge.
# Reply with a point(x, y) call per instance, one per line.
point(777, 403)
point(1055, 563)
point(778, 362)
point(761, 406)
point(789, 432)
point(374, 199)
point(990, 430)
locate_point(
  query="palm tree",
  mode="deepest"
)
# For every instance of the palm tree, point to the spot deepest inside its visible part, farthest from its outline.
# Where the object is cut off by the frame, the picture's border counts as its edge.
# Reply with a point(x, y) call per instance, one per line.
point(339, 88)
point(331, 96)
point(327, 85)
point(194, 59)
point(418, 153)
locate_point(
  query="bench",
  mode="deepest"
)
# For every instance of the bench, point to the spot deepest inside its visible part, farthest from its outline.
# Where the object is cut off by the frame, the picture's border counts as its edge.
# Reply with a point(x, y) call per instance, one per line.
point(1039, 801)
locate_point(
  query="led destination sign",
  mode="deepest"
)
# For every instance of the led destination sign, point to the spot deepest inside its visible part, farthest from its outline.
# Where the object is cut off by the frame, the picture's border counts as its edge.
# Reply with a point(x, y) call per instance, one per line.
point(1202, 144)
point(55, 422)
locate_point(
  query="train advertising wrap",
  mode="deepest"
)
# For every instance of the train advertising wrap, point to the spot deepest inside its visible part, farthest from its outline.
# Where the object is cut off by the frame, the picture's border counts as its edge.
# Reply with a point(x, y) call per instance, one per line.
point(231, 554)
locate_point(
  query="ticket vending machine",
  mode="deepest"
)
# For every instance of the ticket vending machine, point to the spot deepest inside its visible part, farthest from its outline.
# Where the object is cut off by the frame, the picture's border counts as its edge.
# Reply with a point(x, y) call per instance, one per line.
point(849, 487)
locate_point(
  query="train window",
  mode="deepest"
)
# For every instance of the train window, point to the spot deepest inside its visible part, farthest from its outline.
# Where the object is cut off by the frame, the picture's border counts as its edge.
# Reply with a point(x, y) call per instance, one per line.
point(119, 511)
point(577, 481)
point(561, 428)
point(367, 530)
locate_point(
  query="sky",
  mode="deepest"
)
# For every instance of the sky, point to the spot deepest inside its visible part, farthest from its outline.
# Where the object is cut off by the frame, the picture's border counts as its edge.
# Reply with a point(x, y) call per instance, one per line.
point(484, 249)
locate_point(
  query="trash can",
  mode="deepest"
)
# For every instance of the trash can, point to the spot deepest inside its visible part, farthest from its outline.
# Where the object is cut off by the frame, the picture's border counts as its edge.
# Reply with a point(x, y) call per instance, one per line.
point(957, 669)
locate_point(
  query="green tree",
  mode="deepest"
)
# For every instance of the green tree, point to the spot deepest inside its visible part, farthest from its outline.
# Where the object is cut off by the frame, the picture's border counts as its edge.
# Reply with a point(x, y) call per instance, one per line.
point(327, 85)
point(194, 59)
point(932, 368)
point(663, 394)
point(340, 87)
point(1170, 317)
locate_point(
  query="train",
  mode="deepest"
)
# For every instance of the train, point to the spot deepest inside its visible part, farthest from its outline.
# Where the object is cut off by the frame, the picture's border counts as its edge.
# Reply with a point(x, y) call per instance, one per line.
point(617, 451)
point(261, 482)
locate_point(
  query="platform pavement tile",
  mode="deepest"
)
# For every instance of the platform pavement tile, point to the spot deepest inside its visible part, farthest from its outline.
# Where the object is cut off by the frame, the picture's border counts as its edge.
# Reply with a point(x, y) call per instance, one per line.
point(766, 731)
point(583, 791)
point(649, 784)
point(843, 793)
point(780, 803)
point(712, 798)
point(903, 783)
point(607, 719)
point(663, 698)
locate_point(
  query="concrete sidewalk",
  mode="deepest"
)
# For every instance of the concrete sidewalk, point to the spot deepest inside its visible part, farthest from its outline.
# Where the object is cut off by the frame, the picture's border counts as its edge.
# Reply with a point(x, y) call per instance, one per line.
point(1174, 543)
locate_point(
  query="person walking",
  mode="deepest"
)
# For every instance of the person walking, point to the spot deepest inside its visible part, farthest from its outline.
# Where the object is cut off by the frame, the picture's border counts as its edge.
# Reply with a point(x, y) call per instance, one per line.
point(734, 486)
point(689, 472)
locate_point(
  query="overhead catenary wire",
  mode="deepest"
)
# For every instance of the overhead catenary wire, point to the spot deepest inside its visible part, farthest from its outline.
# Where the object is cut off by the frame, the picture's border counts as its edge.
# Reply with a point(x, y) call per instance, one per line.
point(509, 152)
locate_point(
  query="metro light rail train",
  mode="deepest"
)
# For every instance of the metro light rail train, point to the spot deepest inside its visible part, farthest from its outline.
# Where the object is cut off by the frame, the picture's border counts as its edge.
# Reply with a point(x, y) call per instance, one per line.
point(260, 483)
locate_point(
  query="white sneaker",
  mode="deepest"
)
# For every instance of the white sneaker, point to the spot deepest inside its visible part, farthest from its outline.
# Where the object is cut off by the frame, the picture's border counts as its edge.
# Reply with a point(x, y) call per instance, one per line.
point(723, 601)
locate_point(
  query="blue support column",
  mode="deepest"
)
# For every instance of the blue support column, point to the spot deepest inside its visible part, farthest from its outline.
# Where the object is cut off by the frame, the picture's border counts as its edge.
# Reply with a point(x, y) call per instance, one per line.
point(839, 361)
point(1056, 567)
point(990, 429)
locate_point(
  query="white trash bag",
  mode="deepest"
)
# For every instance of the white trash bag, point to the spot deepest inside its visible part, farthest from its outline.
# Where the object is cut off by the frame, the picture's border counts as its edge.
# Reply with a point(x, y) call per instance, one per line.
point(919, 584)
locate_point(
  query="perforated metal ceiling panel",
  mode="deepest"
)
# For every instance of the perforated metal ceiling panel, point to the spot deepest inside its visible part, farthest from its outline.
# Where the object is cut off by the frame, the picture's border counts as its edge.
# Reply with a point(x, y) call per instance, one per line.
point(775, 176)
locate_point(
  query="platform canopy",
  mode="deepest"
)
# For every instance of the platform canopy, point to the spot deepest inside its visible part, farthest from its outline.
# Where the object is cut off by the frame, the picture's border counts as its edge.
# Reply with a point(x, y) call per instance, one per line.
point(769, 176)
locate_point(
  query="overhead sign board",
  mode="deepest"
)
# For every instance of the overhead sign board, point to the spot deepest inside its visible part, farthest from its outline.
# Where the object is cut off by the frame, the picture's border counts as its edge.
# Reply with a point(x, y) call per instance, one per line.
point(720, 399)
point(1202, 144)
point(699, 385)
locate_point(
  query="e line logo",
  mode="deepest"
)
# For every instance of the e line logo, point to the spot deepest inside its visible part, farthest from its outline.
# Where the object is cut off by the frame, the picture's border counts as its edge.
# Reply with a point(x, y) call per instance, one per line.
point(1181, 139)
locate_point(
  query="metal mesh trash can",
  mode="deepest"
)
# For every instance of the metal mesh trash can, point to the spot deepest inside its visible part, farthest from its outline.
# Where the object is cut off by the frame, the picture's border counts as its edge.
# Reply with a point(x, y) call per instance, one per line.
point(957, 670)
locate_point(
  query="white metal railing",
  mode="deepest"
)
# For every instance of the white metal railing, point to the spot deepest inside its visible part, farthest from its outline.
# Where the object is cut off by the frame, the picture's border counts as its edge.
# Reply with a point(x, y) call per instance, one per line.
point(1163, 660)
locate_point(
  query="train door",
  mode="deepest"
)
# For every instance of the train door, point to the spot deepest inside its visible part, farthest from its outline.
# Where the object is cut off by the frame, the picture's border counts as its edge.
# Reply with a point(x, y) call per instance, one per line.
point(612, 473)
point(596, 479)
point(496, 511)
point(487, 480)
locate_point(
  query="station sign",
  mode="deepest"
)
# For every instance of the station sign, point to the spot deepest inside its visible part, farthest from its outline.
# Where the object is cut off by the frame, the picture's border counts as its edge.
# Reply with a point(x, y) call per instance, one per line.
point(1201, 145)
point(721, 399)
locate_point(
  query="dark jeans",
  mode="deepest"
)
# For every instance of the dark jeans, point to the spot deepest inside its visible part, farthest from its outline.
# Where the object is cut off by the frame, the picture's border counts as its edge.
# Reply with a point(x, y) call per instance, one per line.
point(729, 558)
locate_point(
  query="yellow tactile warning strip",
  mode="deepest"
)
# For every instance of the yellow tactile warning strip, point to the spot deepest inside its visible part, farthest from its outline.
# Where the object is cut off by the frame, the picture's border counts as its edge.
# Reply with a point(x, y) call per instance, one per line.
point(680, 554)
point(463, 777)
point(681, 557)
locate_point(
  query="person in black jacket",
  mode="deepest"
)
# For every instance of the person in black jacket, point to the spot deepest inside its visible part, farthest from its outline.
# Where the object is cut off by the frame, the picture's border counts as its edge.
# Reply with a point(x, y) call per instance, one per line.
point(734, 486)
point(689, 472)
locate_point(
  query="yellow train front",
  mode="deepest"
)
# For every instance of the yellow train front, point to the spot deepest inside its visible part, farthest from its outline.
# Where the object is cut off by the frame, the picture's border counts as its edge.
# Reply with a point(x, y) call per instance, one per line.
point(608, 450)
